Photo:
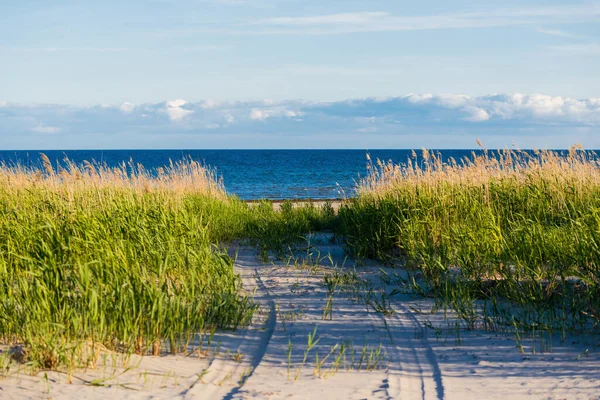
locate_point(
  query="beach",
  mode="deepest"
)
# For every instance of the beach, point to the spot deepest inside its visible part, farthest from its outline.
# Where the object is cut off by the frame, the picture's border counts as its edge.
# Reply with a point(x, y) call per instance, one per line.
point(453, 282)
point(278, 200)
point(390, 355)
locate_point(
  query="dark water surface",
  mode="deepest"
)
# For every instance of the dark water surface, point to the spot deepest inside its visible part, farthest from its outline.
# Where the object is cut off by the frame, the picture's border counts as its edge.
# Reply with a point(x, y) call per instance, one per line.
point(251, 174)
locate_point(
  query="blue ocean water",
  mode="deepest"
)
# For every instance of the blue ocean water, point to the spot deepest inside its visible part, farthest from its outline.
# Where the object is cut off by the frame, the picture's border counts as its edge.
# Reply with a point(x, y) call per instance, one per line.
point(251, 174)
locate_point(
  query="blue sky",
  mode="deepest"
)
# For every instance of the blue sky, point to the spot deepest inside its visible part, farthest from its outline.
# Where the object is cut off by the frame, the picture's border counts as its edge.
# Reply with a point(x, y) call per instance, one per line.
point(298, 74)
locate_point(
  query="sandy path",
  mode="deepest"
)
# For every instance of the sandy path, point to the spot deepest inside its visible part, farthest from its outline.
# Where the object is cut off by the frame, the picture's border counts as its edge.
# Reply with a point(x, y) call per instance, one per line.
point(414, 362)
point(299, 300)
point(410, 370)
point(225, 376)
point(419, 364)
point(418, 375)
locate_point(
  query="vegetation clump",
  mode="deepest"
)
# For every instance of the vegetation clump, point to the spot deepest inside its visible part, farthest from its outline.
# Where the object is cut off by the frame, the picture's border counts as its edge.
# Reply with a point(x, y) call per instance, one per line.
point(516, 233)
point(96, 259)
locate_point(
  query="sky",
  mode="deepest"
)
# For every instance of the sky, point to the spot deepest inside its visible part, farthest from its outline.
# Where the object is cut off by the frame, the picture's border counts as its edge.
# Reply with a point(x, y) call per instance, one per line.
point(364, 74)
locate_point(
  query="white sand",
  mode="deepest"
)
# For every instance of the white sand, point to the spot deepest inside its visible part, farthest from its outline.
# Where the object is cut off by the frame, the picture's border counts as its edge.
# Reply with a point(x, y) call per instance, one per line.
point(419, 363)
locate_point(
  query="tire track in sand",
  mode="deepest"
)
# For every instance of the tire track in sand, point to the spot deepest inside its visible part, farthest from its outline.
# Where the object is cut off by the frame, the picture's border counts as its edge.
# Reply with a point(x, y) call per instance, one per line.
point(225, 377)
point(418, 375)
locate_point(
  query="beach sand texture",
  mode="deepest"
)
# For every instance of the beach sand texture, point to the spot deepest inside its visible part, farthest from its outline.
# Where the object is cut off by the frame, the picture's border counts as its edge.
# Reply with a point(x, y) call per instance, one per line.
point(403, 358)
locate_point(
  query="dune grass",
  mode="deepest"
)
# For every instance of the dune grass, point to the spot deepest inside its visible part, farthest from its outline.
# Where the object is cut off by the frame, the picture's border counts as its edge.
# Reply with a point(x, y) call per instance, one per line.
point(96, 259)
point(505, 239)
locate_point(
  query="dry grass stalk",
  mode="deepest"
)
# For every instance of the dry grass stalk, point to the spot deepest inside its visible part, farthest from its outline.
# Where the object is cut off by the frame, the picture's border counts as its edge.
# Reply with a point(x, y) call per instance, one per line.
point(184, 177)
point(577, 169)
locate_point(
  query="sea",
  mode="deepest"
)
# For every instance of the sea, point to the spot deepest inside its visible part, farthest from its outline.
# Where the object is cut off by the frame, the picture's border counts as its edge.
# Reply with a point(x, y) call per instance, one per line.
point(251, 174)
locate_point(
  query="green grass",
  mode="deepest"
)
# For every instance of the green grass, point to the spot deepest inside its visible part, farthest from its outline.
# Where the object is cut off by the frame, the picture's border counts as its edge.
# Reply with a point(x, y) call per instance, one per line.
point(515, 238)
point(94, 259)
point(274, 231)
point(126, 272)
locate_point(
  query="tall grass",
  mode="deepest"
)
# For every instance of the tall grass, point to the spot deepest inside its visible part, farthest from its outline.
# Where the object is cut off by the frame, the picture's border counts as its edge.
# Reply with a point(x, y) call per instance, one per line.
point(519, 230)
point(181, 177)
point(93, 258)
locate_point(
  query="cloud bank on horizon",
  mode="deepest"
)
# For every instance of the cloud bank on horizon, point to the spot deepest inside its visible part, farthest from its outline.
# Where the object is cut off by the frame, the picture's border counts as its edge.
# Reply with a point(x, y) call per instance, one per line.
point(349, 60)
point(414, 120)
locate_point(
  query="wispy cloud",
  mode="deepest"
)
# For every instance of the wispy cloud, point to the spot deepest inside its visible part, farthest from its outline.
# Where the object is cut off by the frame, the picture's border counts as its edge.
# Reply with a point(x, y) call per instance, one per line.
point(358, 18)
point(384, 21)
point(75, 49)
point(202, 48)
point(584, 49)
point(557, 32)
point(41, 128)
point(58, 49)
point(376, 21)
point(90, 49)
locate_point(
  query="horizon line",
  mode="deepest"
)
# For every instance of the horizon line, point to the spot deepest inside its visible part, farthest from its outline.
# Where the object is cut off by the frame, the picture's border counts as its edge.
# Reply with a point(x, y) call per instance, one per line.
point(303, 149)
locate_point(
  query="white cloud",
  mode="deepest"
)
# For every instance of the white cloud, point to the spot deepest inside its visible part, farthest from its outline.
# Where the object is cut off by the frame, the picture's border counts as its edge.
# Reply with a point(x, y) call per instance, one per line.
point(477, 114)
point(513, 115)
point(452, 100)
point(49, 130)
point(176, 103)
point(258, 115)
point(174, 109)
point(290, 113)
point(414, 98)
point(543, 107)
point(272, 109)
point(126, 108)
point(534, 107)
point(421, 108)
point(210, 103)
